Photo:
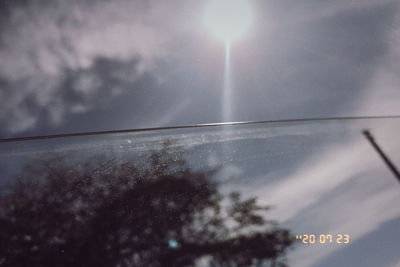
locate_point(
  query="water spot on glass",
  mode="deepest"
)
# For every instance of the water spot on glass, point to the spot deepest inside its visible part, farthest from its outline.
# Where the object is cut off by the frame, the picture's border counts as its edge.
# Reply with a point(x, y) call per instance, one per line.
point(172, 243)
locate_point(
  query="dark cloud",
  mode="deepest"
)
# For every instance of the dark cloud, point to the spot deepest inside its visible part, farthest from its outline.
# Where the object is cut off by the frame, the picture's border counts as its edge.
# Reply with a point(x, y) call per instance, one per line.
point(58, 59)
point(124, 64)
point(76, 91)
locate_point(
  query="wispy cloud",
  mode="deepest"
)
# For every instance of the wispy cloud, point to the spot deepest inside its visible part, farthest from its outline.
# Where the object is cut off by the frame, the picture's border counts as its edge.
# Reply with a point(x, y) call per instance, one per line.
point(48, 49)
point(344, 189)
point(316, 58)
point(382, 93)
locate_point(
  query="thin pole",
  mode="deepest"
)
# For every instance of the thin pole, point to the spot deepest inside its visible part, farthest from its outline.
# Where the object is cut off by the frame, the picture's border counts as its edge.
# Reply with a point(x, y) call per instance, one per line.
point(385, 158)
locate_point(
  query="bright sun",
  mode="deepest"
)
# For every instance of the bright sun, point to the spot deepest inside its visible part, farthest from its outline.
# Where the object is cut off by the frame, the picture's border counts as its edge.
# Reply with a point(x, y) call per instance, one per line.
point(228, 19)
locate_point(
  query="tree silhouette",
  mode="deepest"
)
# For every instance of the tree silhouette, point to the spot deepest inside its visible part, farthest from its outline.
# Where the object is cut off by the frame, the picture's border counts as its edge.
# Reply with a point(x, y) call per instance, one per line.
point(106, 212)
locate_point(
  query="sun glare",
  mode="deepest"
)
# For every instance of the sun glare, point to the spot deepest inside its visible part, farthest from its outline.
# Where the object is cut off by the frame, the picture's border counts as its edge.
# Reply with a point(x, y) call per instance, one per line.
point(228, 19)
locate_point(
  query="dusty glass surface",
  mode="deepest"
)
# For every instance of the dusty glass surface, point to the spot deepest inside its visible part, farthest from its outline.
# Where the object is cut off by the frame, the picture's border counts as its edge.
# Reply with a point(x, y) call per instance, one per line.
point(302, 194)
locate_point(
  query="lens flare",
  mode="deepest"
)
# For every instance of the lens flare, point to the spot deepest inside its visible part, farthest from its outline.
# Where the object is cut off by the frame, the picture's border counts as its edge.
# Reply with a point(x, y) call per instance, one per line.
point(227, 90)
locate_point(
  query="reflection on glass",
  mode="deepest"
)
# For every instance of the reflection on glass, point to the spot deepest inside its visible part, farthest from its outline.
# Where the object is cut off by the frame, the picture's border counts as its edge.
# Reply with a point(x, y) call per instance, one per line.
point(269, 194)
point(105, 212)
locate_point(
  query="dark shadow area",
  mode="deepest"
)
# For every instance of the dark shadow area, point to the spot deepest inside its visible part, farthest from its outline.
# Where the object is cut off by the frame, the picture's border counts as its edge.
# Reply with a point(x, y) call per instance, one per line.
point(155, 212)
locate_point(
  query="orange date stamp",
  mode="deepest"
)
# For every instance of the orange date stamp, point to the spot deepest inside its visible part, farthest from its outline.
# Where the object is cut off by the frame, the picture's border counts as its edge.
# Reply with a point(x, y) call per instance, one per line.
point(323, 238)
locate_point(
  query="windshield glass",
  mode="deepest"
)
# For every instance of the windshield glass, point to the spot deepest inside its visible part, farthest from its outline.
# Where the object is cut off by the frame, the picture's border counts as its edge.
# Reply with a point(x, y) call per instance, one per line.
point(306, 194)
point(199, 133)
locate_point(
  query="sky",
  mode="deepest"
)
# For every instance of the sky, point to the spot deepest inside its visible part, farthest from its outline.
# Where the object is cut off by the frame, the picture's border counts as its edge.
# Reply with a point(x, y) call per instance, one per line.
point(70, 66)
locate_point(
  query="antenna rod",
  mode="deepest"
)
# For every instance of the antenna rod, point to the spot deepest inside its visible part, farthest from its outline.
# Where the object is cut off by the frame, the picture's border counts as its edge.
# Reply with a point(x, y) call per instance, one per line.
point(385, 158)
